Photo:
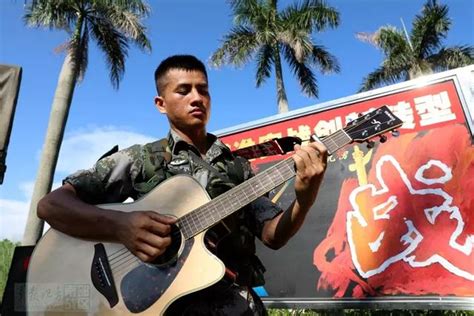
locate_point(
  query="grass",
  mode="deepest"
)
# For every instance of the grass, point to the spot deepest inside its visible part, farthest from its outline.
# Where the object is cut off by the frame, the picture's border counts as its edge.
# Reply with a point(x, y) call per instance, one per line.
point(6, 253)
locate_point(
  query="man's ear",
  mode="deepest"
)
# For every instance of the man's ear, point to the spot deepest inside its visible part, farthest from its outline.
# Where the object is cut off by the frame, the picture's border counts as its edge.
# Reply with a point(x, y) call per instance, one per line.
point(160, 104)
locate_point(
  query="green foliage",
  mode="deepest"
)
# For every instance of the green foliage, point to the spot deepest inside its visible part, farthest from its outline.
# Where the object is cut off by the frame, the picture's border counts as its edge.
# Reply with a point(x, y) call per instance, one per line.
point(408, 56)
point(266, 34)
point(112, 25)
point(6, 254)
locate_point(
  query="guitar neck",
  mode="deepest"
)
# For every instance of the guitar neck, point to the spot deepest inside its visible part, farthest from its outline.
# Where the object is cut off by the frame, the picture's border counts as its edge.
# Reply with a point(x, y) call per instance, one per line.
point(336, 141)
point(229, 202)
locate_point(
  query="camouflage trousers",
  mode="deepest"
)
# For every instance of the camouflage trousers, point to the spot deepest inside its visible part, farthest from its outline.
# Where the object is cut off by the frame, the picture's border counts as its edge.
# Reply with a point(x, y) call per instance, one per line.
point(219, 300)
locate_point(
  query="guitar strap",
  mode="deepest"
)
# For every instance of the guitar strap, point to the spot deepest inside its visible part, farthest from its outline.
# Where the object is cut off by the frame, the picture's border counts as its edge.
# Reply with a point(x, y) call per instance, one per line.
point(276, 146)
point(157, 157)
point(204, 164)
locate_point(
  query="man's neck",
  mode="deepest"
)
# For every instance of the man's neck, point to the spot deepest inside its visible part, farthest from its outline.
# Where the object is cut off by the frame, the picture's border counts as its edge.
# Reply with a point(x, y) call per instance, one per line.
point(196, 138)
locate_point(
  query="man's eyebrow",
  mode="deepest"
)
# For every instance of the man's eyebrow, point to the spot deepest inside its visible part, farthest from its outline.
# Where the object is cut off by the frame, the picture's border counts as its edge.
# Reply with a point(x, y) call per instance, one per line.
point(187, 84)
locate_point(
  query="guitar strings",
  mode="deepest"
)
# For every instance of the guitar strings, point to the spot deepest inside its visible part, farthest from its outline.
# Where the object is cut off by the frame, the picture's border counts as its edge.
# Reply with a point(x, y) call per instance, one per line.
point(117, 254)
point(120, 260)
point(125, 264)
point(114, 263)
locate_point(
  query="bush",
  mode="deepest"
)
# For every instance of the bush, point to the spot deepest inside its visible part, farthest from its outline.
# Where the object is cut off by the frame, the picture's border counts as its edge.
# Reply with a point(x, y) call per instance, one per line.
point(6, 253)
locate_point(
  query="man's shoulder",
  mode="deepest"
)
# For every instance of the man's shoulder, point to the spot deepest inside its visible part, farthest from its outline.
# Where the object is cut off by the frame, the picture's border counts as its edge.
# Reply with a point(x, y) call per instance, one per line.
point(135, 151)
point(219, 143)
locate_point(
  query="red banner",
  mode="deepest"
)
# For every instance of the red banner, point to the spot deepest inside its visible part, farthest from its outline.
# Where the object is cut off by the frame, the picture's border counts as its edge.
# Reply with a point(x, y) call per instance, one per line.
point(401, 222)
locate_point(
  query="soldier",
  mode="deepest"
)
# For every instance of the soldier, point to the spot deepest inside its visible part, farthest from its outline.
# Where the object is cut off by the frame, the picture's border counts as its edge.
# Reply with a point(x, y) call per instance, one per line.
point(183, 96)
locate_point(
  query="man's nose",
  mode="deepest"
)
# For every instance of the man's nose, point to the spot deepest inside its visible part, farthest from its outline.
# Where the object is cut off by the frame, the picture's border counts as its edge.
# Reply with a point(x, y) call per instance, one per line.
point(196, 97)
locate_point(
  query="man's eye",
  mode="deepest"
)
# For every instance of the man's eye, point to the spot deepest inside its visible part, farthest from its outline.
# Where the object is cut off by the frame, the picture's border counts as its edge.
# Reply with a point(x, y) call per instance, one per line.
point(182, 91)
point(204, 91)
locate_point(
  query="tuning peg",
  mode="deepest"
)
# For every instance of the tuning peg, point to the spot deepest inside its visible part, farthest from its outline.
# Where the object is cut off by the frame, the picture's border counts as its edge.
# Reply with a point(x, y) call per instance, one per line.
point(370, 144)
point(383, 138)
point(395, 133)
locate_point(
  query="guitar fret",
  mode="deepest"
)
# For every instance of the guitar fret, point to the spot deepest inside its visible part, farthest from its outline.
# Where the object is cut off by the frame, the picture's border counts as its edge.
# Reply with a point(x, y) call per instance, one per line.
point(232, 201)
point(184, 226)
point(193, 219)
point(213, 212)
point(245, 193)
point(237, 197)
point(335, 141)
point(205, 218)
point(250, 190)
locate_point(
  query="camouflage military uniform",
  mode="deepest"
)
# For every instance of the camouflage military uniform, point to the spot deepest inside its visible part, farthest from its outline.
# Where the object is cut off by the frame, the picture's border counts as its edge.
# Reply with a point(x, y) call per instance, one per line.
point(126, 173)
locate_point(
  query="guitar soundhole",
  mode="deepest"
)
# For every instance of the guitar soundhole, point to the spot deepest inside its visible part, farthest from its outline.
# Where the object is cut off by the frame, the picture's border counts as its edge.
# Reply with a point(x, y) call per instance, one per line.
point(170, 256)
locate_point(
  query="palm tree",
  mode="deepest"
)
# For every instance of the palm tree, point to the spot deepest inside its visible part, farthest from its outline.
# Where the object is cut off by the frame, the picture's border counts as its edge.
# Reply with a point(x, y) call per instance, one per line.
point(264, 33)
point(112, 24)
point(417, 54)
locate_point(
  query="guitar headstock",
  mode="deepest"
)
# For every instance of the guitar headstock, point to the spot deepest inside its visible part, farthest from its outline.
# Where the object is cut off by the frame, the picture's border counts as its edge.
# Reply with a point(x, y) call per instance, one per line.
point(374, 123)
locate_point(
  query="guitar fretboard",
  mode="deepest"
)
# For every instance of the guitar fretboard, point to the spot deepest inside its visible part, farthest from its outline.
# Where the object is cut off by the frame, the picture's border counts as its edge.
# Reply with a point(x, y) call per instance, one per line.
point(227, 203)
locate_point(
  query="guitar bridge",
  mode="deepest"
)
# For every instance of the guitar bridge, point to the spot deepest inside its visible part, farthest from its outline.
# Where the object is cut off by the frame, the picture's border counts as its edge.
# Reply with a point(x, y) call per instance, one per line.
point(101, 275)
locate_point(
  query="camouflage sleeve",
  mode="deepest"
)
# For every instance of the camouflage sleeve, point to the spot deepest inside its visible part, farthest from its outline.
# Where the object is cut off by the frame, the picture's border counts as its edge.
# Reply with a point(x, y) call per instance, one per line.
point(111, 179)
point(260, 210)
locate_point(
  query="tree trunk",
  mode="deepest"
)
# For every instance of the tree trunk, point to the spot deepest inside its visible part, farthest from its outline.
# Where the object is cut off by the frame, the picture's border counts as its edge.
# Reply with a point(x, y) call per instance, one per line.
point(281, 94)
point(49, 156)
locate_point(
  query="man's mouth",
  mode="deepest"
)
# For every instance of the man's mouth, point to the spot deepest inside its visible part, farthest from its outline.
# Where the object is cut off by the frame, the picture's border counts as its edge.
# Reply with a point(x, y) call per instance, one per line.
point(197, 112)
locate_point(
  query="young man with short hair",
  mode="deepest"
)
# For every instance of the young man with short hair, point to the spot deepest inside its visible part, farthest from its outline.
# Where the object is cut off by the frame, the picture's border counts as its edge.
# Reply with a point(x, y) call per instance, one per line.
point(183, 96)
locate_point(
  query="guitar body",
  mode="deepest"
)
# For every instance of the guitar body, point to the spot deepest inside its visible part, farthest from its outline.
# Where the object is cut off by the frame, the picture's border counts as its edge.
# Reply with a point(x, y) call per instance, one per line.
point(68, 275)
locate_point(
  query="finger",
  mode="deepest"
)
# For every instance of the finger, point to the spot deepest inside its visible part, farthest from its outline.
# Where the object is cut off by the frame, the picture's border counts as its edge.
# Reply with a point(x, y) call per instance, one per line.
point(142, 256)
point(299, 161)
point(149, 250)
point(161, 218)
point(156, 241)
point(158, 228)
point(319, 147)
point(310, 155)
point(305, 154)
point(313, 155)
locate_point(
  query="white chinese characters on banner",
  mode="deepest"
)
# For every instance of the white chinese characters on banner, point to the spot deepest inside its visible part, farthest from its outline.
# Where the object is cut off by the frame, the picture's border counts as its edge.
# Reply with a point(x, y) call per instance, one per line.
point(404, 111)
point(434, 108)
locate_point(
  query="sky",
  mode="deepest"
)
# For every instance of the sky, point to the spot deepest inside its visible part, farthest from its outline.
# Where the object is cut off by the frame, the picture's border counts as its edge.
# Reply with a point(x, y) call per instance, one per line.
point(101, 116)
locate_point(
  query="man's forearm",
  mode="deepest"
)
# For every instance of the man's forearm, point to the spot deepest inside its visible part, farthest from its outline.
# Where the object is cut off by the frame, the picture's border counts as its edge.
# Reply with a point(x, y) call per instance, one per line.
point(65, 212)
point(279, 230)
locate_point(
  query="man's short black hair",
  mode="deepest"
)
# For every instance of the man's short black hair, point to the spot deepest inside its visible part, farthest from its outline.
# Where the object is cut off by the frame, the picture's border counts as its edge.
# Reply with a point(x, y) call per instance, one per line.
point(185, 62)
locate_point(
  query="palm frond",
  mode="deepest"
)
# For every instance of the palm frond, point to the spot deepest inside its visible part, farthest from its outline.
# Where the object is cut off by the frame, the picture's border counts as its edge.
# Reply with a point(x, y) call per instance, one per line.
point(262, 30)
point(52, 14)
point(78, 48)
point(392, 41)
point(112, 23)
point(420, 55)
point(113, 44)
point(137, 7)
point(452, 57)
point(382, 76)
point(310, 15)
point(126, 17)
point(264, 63)
point(305, 76)
point(324, 60)
point(430, 28)
point(247, 12)
point(237, 48)
point(299, 41)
